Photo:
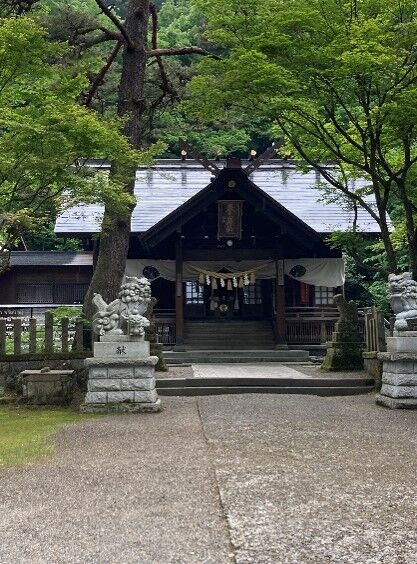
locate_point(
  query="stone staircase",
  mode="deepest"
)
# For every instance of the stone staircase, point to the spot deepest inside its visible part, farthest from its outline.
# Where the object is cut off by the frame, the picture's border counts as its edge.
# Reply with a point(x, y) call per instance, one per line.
point(228, 335)
point(242, 356)
point(312, 386)
point(223, 342)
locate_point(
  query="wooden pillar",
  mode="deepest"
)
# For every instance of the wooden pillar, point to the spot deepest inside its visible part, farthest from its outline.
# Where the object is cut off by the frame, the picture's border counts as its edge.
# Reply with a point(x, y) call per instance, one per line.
point(280, 323)
point(179, 297)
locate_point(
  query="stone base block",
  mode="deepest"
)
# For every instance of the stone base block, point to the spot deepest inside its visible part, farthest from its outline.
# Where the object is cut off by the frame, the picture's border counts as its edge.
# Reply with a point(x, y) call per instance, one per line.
point(396, 403)
point(129, 396)
point(402, 344)
point(399, 391)
point(398, 379)
point(122, 349)
point(343, 356)
point(133, 407)
point(129, 383)
point(120, 384)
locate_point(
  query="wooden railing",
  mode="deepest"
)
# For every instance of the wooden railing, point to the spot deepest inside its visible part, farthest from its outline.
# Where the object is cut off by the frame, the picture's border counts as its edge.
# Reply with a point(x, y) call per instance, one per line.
point(312, 313)
point(310, 325)
point(375, 330)
point(309, 331)
point(164, 320)
point(24, 337)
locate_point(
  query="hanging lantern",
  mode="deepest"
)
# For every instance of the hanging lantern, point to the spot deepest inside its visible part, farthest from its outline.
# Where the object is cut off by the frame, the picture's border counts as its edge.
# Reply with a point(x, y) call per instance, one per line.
point(252, 278)
point(214, 284)
point(240, 282)
point(246, 280)
point(201, 278)
point(235, 281)
point(208, 280)
point(229, 285)
point(222, 282)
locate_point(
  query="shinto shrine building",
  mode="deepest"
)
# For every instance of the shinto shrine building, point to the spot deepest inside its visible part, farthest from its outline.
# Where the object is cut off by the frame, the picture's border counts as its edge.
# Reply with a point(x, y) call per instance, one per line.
point(230, 251)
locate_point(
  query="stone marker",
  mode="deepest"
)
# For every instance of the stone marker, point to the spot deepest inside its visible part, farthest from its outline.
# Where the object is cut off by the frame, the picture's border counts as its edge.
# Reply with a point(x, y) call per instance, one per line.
point(121, 375)
point(399, 377)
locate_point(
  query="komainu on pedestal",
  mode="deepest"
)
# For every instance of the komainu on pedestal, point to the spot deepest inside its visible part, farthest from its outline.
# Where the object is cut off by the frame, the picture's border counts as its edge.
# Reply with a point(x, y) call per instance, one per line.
point(399, 377)
point(121, 375)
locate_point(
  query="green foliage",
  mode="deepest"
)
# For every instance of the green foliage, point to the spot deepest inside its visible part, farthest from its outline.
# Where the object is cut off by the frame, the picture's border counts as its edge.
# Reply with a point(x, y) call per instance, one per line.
point(71, 312)
point(44, 132)
point(338, 81)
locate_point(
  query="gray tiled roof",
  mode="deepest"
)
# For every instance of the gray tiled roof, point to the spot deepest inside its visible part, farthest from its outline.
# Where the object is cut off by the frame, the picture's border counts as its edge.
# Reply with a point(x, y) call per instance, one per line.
point(169, 184)
point(51, 258)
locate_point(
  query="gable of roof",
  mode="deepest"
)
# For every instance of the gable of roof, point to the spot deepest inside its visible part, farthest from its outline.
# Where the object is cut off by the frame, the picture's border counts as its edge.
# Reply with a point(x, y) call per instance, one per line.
point(243, 188)
point(167, 185)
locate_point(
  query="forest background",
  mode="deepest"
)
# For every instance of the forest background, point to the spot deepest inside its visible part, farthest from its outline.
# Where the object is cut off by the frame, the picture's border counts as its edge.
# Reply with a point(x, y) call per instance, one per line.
point(59, 101)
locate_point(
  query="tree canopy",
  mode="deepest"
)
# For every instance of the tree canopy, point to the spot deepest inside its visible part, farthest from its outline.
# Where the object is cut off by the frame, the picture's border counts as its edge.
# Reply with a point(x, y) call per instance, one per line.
point(337, 79)
point(46, 135)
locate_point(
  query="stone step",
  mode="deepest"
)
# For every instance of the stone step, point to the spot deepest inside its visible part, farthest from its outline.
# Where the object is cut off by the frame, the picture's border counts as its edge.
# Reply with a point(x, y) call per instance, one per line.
point(225, 341)
point(235, 356)
point(216, 386)
point(229, 336)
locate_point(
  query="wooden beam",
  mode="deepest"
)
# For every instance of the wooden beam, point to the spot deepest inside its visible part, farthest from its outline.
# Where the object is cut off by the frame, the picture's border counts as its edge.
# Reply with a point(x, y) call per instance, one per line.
point(280, 322)
point(179, 295)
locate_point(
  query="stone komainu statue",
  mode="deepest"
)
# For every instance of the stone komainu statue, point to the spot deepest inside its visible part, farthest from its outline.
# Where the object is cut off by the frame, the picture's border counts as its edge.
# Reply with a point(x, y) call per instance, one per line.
point(403, 299)
point(348, 311)
point(125, 315)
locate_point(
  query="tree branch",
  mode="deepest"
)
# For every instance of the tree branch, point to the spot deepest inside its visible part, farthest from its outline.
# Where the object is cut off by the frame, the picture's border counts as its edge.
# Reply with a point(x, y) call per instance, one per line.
point(167, 87)
point(167, 52)
point(98, 80)
point(113, 18)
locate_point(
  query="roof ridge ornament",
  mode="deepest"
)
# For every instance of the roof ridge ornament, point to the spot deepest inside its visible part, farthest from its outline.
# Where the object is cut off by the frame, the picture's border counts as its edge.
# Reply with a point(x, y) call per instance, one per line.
point(259, 161)
point(209, 165)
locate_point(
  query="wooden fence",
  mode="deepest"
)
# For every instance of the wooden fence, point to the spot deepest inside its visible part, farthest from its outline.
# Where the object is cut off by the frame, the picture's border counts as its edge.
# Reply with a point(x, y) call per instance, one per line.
point(375, 331)
point(20, 338)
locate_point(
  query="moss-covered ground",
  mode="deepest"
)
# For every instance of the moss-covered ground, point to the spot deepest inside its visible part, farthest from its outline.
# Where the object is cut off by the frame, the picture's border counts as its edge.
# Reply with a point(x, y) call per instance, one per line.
point(25, 432)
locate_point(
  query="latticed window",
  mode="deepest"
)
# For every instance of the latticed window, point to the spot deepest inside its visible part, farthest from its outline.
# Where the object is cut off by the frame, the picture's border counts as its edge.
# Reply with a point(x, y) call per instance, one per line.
point(252, 294)
point(323, 295)
point(70, 293)
point(194, 293)
point(51, 294)
point(35, 294)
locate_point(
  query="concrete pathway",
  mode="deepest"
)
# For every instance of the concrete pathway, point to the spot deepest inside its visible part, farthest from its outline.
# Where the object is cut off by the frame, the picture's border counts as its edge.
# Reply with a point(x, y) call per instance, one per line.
point(248, 479)
point(235, 370)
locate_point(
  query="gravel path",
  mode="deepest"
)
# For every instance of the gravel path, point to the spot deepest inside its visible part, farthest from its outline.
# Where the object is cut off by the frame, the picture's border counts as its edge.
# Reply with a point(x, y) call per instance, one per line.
point(123, 489)
point(306, 479)
point(302, 479)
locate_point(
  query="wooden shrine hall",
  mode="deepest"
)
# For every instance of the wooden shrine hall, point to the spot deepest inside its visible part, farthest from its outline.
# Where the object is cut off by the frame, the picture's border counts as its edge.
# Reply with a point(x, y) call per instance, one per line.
point(236, 252)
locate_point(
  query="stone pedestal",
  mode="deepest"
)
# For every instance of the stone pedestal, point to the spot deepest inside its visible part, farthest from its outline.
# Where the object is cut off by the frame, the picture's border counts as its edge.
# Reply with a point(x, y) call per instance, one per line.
point(121, 377)
point(344, 351)
point(399, 377)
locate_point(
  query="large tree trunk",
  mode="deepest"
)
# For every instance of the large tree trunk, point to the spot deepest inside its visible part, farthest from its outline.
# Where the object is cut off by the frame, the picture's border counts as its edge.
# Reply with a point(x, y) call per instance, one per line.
point(389, 249)
point(115, 233)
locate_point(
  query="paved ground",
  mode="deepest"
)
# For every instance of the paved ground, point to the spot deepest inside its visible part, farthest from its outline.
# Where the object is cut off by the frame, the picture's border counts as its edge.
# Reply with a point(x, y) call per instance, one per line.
point(247, 370)
point(251, 478)
point(275, 370)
